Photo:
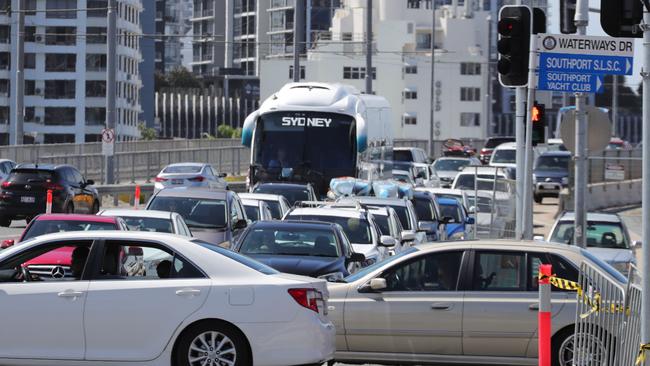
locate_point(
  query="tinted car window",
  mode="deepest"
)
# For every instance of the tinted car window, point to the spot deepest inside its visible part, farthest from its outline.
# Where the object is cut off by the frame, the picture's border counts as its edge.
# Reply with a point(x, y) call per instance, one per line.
point(382, 222)
point(183, 169)
point(149, 224)
point(450, 164)
point(357, 230)
point(292, 194)
point(504, 156)
point(42, 227)
point(290, 241)
point(403, 214)
point(402, 155)
point(559, 163)
point(252, 212)
point(500, 271)
point(22, 176)
point(424, 209)
point(494, 142)
point(248, 262)
point(197, 212)
point(434, 272)
point(276, 210)
point(599, 235)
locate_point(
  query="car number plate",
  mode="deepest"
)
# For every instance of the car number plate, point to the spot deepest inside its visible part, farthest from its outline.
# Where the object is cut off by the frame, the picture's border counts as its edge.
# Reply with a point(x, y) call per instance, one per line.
point(549, 186)
point(177, 181)
point(27, 199)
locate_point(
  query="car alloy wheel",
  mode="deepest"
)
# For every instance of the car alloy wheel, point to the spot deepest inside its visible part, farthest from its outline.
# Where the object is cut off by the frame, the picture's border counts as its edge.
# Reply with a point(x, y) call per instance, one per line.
point(212, 348)
point(586, 356)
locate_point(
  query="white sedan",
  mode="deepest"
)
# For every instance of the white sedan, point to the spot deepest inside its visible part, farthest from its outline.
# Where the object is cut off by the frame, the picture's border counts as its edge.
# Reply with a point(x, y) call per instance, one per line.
point(150, 220)
point(203, 305)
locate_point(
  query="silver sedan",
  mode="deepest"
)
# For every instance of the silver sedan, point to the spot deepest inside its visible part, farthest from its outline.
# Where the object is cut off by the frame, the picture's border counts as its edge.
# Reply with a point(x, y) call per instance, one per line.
point(195, 175)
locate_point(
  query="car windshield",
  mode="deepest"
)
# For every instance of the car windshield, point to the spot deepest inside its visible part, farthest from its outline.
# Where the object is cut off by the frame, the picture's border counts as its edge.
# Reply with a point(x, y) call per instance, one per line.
point(357, 229)
point(252, 212)
point(504, 156)
point(485, 183)
point(484, 204)
point(149, 224)
point(42, 227)
point(199, 213)
point(402, 178)
point(559, 163)
point(182, 169)
point(371, 268)
point(450, 164)
point(293, 194)
point(424, 209)
point(402, 155)
point(599, 235)
point(290, 241)
point(246, 261)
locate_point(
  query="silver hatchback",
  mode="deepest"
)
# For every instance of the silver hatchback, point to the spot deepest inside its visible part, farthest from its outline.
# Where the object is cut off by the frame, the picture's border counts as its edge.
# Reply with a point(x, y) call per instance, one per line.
point(457, 302)
point(194, 175)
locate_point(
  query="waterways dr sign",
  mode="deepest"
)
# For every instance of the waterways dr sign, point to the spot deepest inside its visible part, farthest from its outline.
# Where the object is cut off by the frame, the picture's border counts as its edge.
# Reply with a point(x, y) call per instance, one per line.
point(570, 63)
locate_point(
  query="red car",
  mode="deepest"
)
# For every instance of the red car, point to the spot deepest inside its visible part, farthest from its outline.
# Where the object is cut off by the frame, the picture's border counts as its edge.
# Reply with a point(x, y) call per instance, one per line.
point(57, 262)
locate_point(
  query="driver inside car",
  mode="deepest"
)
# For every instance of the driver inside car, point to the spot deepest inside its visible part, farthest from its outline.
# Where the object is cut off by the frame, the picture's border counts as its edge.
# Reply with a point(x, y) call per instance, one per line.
point(79, 257)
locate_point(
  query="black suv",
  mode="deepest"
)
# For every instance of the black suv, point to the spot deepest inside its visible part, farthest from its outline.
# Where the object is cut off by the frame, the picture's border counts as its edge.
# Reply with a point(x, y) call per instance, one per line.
point(24, 192)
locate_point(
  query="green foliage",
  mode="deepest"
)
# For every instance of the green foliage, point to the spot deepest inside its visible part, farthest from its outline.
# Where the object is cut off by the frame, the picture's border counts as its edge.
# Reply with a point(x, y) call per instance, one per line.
point(236, 133)
point(179, 77)
point(225, 131)
point(147, 133)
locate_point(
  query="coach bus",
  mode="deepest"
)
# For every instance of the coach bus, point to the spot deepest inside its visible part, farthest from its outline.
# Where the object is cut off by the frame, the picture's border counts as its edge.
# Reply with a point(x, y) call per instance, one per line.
point(313, 132)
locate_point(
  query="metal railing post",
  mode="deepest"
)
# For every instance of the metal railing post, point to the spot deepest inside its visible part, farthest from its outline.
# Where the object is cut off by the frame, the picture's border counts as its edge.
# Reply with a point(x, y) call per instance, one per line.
point(544, 316)
point(132, 167)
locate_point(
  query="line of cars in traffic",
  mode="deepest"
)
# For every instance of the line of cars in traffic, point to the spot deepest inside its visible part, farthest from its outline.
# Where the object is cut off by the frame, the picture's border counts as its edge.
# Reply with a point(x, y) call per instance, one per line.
point(228, 289)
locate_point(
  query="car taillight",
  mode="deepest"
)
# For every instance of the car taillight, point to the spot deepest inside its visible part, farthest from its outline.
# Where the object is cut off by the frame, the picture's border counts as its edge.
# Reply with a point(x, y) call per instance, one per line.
point(49, 186)
point(485, 150)
point(161, 179)
point(197, 179)
point(6, 184)
point(307, 297)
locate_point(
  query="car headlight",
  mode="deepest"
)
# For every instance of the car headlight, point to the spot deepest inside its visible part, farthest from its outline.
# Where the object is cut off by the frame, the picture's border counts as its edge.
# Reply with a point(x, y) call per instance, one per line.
point(369, 261)
point(457, 236)
point(565, 181)
point(332, 277)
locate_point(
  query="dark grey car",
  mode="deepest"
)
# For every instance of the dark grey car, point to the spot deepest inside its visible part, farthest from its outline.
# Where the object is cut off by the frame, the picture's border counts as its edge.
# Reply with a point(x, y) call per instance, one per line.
point(215, 216)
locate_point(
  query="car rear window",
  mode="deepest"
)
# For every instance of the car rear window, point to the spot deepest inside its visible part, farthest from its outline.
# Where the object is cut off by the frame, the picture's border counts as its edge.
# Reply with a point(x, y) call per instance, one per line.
point(30, 176)
point(246, 261)
point(402, 155)
point(492, 143)
point(149, 224)
point(182, 169)
point(42, 227)
point(292, 194)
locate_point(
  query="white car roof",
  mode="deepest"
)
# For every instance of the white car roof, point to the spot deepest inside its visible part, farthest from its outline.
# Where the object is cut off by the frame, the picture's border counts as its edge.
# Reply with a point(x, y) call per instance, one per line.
point(593, 216)
point(120, 212)
point(326, 211)
point(455, 192)
point(247, 202)
point(376, 201)
point(259, 196)
point(482, 170)
point(185, 164)
point(402, 172)
point(507, 146)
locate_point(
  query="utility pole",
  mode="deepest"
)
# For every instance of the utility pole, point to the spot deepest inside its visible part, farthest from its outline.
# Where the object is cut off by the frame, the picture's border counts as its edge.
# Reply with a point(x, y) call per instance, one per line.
point(432, 105)
point(645, 303)
point(614, 105)
point(298, 35)
point(580, 239)
point(111, 84)
point(527, 201)
point(19, 113)
point(369, 47)
point(520, 116)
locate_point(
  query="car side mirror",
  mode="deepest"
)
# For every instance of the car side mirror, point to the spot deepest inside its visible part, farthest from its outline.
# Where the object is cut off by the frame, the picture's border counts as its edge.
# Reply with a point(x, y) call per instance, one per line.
point(472, 210)
point(425, 226)
point(240, 224)
point(387, 241)
point(7, 243)
point(222, 175)
point(637, 244)
point(90, 182)
point(538, 238)
point(357, 257)
point(470, 221)
point(378, 284)
point(408, 235)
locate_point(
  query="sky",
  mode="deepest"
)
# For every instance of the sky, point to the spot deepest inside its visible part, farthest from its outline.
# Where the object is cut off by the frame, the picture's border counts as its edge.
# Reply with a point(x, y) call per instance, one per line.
point(594, 29)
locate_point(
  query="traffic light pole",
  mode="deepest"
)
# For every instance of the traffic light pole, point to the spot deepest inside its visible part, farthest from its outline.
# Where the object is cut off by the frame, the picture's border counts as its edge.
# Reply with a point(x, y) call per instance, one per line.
point(581, 153)
point(520, 139)
point(527, 209)
point(645, 303)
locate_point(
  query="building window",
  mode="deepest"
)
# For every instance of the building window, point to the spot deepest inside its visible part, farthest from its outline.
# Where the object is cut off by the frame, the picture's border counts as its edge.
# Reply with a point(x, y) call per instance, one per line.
point(62, 62)
point(410, 120)
point(30, 60)
point(411, 69)
point(302, 72)
point(357, 73)
point(410, 94)
point(5, 60)
point(61, 36)
point(470, 119)
point(95, 62)
point(470, 68)
point(61, 9)
point(30, 87)
point(95, 116)
point(95, 88)
point(4, 115)
point(470, 94)
point(413, 4)
point(5, 34)
point(60, 116)
point(58, 138)
point(423, 41)
point(5, 86)
point(60, 89)
point(346, 37)
point(99, 8)
point(30, 114)
point(96, 35)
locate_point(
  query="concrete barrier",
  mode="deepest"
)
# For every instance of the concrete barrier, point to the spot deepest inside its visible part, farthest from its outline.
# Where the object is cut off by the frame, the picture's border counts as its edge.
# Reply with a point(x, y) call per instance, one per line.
point(605, 195)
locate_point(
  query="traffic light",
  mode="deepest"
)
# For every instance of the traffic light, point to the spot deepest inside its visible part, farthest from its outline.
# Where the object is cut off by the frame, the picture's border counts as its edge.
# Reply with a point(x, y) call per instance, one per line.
point(567, 16)
point(514, 27)
point(621, 18)
point(538, 115)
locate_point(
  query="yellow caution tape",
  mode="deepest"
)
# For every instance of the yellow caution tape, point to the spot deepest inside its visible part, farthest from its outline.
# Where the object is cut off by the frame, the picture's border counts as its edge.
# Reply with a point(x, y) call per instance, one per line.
point(642, 354)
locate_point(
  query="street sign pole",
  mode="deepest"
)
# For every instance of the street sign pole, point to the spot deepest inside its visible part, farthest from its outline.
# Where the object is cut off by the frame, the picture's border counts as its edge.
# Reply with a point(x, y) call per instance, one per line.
point(111, 84)
point(580, 184)
point(527, 209)
point(645, 304)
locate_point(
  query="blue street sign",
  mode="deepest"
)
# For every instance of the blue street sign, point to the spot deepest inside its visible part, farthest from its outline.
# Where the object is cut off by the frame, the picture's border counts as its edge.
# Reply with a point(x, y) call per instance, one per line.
point(585, 64)
point(570, 82)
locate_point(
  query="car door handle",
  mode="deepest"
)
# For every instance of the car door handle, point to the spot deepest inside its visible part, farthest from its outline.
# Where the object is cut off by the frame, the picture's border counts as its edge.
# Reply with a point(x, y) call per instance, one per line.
point(68, 294)
point(188, 292)
point(534, 306)
point(441, 306)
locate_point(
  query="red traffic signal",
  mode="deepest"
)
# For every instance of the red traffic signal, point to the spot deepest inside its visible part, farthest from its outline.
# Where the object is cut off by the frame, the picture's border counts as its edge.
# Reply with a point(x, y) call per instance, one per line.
point(536, 114)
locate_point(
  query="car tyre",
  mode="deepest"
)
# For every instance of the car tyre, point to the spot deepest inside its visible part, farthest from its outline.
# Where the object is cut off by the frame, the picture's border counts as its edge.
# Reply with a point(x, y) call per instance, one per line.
point(216, 341)
point(538, 199)
point(5, 221)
